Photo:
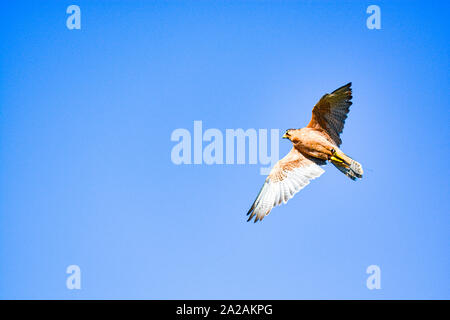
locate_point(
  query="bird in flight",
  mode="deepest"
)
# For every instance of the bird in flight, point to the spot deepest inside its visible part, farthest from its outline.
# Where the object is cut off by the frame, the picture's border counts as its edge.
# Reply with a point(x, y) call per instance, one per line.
point(313, 147)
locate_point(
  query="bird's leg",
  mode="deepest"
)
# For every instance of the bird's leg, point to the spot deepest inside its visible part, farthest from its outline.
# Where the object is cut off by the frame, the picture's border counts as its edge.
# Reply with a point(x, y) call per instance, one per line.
point(336, 157)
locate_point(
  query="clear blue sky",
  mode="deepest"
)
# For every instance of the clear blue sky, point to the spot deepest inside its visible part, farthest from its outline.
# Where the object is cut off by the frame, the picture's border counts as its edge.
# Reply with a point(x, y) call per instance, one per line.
point(85, 171)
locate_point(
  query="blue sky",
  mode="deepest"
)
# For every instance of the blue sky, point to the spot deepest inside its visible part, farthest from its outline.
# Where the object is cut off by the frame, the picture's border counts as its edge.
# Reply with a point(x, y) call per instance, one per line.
point(86, 176)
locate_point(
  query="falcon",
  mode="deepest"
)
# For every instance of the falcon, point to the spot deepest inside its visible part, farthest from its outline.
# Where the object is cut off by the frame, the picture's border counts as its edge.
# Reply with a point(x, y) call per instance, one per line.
point(313, 146)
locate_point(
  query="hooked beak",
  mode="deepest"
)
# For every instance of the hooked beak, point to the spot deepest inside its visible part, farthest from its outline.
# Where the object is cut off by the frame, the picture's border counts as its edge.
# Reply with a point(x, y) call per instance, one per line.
point(285, 136)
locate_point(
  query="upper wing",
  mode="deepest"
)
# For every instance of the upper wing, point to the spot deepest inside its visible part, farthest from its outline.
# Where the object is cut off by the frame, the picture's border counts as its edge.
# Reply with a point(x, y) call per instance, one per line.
point(288, 176)
point(331, 111)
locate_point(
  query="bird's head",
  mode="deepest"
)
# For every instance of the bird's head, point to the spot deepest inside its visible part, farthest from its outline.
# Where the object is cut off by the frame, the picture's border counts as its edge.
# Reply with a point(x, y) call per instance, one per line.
point(288, 134)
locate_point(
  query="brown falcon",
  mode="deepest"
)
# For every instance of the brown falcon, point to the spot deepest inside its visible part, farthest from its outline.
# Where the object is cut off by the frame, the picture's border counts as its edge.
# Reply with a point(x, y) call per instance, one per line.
point(313, 146)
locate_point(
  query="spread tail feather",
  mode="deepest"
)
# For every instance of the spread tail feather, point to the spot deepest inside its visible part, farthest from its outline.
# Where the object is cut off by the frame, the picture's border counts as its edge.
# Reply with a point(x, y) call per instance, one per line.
point(349, 167)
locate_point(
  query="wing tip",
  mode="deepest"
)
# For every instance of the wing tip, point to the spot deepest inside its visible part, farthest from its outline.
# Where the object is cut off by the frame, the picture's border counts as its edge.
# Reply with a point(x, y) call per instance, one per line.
point(345, 86)
point(256, 216)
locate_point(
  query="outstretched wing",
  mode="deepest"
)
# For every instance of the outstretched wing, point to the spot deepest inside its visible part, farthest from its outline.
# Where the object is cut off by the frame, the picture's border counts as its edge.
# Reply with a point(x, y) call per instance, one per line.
point(330, 112)
point(288, 176)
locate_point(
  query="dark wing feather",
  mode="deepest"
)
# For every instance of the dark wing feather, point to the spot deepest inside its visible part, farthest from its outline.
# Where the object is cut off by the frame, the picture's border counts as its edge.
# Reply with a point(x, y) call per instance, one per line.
point(330, 112)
